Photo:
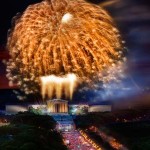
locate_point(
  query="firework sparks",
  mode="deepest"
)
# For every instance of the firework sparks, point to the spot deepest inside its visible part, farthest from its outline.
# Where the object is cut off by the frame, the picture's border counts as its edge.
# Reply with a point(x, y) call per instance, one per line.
point(56, 86)
point(66, 18)
point(60, 37)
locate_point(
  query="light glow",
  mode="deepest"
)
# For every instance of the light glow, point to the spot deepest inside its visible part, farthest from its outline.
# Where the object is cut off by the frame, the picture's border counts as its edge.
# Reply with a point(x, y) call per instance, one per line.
point(67, 17)
point(55, 86)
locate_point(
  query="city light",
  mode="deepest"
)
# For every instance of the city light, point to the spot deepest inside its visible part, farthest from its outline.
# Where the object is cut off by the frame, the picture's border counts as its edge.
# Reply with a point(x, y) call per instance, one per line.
point(89, 140)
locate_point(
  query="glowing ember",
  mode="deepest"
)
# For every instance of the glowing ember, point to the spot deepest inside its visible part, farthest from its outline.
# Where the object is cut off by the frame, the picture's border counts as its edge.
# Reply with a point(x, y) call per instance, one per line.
point(66, 18)
point(55, 86)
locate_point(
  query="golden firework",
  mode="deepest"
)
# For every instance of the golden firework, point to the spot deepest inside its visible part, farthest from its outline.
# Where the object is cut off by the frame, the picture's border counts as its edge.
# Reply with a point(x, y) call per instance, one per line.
point(58, 37)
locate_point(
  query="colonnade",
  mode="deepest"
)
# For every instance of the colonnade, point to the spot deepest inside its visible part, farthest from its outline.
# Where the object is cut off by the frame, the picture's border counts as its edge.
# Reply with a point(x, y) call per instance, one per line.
point(57, 106)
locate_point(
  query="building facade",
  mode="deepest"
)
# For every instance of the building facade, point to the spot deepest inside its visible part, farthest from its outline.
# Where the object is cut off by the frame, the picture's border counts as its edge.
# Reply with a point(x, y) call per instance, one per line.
point(57, 106)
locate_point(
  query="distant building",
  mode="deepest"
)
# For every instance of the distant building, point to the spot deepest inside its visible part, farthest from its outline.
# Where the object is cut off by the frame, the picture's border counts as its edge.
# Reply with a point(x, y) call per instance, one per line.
point(36, 106)
point(78, 109)
point(14, 109)
point(52, 107)
point(57, 106)
point(100, 108)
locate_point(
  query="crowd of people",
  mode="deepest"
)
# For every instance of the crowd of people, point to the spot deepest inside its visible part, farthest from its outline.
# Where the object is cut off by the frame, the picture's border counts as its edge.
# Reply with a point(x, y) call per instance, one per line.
point(75, 141)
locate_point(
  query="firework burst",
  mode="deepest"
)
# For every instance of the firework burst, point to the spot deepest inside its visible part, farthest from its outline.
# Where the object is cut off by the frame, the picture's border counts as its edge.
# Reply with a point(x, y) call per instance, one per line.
point(58, 37)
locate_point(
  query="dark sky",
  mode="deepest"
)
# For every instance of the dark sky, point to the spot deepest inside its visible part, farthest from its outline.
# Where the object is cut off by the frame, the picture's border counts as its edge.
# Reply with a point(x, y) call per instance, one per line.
point(133, 20)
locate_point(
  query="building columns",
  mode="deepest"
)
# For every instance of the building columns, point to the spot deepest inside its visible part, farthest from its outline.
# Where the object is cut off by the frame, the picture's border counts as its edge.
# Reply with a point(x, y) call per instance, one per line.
point(57, 107)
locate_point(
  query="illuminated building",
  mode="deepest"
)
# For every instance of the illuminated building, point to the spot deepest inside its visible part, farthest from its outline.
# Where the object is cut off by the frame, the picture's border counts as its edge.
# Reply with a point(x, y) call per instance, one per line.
point(100, 108)
point(14, 109)
point(57, 106)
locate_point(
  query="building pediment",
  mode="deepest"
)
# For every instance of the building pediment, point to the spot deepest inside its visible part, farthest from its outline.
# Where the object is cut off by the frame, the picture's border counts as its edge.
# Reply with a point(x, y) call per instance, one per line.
point(57, 101)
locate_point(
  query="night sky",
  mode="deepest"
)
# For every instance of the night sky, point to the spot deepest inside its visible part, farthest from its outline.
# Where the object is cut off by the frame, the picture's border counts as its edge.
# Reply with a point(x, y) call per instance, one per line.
point(132, 17)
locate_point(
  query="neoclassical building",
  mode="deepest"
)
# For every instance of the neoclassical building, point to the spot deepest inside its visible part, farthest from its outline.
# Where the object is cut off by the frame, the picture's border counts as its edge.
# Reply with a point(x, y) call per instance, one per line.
point(57, 106)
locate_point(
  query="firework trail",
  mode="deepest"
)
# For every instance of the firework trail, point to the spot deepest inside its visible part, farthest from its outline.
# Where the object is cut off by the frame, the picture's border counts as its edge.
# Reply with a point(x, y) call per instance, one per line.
point(54, 86)
point(58, 37)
